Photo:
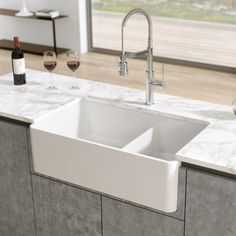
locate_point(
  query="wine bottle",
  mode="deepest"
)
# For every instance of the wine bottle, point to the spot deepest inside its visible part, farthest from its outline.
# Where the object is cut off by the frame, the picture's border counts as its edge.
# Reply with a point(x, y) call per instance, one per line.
point(18, 63)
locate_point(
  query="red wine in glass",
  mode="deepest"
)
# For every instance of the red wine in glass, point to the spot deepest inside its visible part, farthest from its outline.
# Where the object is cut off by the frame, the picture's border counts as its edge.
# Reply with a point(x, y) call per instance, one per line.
point(73, 65)
point(50, 65)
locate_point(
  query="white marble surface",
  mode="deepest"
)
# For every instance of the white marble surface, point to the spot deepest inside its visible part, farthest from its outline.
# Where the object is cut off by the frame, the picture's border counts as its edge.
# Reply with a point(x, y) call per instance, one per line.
point(213, 148)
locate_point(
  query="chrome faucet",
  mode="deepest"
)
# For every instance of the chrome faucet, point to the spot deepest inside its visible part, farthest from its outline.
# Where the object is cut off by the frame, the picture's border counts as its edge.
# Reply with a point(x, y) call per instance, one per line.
point(123, 64)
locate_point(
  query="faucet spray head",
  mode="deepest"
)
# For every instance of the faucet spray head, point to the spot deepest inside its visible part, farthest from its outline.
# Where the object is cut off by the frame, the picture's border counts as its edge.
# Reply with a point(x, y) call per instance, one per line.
point(123, 66)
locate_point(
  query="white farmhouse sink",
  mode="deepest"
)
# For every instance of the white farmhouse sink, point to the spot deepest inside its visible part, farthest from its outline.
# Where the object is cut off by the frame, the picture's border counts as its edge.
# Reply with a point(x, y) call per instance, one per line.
point(121, 152)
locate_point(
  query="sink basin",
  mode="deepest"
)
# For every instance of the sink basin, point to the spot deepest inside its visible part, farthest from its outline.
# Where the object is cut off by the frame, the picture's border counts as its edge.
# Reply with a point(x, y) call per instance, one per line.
point(126, 153)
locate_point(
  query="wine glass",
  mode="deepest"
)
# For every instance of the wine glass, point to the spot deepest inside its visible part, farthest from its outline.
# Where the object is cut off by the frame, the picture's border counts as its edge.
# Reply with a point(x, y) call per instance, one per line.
point(50, 63)
point(73, 63)
point(234, 106)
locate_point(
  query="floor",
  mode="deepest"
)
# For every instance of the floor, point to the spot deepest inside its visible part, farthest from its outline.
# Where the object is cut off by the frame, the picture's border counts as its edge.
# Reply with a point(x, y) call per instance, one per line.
point(187, 40)
point(215, 87)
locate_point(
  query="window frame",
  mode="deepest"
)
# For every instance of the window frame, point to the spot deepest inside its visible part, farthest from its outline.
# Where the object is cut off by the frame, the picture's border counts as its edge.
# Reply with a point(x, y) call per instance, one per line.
point(166, 60)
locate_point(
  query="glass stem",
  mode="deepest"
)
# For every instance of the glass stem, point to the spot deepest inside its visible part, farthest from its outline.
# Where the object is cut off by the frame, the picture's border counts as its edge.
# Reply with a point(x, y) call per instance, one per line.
point(74, 79)
point(51, 85)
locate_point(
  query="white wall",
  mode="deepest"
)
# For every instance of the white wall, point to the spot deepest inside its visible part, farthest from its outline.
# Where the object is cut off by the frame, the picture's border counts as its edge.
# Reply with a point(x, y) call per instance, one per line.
point(71, 32)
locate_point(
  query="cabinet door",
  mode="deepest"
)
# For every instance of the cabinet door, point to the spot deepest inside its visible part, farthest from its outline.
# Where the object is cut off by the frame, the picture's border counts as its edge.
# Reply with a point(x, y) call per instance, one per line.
point(122, 219)
point(16, 205)
point(63, 210)
point(210, 205)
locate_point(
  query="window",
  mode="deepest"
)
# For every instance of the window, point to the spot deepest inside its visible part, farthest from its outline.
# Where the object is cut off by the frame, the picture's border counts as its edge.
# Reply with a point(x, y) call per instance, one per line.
point(202, 31)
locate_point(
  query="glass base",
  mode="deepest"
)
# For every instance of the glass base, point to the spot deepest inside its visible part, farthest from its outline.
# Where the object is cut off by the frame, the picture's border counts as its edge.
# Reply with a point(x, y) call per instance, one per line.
point(74, 87)
point(52, 88)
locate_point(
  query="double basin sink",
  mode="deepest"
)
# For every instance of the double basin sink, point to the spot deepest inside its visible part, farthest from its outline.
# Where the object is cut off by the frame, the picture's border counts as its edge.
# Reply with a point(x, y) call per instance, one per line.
point(121, 152)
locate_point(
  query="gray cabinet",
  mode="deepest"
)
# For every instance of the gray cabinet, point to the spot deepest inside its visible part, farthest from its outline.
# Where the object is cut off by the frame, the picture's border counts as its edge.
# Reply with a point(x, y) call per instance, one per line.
point(16, 204)
point(62, 210)
point(210, 204)
point(122, 219)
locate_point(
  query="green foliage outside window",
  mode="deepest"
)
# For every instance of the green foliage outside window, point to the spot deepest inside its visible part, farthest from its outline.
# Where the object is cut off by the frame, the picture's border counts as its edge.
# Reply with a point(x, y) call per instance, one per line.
point(222, 11)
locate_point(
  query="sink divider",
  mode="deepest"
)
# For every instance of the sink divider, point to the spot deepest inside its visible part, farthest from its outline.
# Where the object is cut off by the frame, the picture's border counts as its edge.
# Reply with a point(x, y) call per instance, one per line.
point(140, 143)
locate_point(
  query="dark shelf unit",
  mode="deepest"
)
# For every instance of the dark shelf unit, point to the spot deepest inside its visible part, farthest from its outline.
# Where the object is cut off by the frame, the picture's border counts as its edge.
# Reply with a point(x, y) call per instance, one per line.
point(30, 47)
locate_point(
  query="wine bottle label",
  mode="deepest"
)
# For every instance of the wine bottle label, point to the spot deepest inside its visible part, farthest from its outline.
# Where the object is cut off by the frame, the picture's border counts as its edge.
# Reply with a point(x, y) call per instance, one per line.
point(19, 66)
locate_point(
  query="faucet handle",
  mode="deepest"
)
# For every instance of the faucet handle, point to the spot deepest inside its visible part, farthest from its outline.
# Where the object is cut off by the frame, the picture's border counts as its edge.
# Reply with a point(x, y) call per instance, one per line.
point(160, 83)
point(123, 66)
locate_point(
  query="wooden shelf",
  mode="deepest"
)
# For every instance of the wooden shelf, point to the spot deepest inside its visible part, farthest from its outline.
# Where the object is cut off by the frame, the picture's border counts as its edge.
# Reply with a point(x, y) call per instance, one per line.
point(30, 47)
point(9, 12)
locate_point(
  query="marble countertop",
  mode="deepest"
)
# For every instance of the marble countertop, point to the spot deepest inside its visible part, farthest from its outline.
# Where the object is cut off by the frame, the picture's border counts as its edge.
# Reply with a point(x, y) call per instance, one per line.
point(214, 147)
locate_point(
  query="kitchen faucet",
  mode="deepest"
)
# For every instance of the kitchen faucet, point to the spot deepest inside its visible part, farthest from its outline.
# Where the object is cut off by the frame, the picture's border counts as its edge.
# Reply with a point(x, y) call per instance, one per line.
point(123, 64)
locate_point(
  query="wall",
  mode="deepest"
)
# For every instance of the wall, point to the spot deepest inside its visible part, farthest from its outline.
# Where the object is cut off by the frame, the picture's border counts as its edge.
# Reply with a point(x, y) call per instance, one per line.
point(71, 32)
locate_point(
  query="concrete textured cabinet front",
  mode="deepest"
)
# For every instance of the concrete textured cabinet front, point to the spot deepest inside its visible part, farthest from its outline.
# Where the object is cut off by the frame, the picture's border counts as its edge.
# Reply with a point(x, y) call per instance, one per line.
point(63, 210)
point(16, 203)
point(210, 204)
point(122, 219)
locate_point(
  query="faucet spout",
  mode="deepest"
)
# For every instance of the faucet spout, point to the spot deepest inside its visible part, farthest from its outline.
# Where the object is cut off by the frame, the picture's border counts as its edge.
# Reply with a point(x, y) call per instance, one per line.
point(123, 64)
point(127, 17)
